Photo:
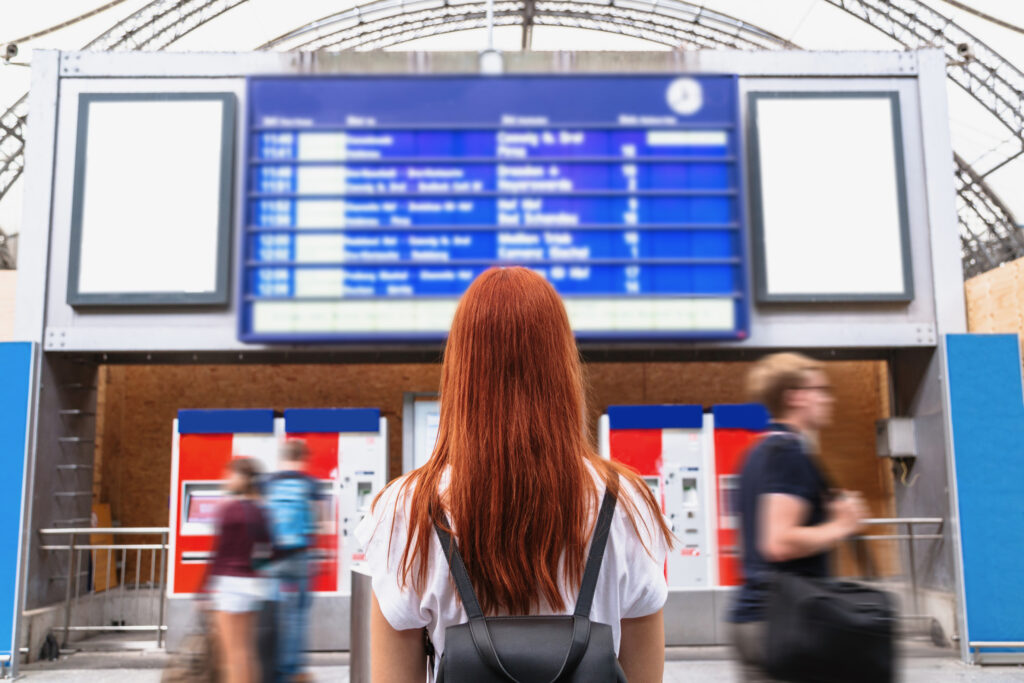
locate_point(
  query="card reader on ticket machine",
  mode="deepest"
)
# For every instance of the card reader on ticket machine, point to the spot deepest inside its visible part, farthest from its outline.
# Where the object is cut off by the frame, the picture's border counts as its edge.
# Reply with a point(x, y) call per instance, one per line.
point(737, 428)
point(669, 446)
point(348, 455)
point(203, 443)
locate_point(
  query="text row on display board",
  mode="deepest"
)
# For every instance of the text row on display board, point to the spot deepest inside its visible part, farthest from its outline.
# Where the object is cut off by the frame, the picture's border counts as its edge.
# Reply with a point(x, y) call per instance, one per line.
point(372, 203)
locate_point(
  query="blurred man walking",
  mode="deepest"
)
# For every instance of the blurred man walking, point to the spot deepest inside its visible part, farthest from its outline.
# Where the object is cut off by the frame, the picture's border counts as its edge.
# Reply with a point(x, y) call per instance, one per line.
point(290, 494)
point(790, 518)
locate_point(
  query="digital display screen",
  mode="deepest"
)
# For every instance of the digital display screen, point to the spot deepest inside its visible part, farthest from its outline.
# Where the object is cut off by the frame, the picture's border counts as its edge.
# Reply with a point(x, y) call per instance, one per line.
point(372, 203)
point(323, 506)
point(137, 151)
point(829, 196)
point(202, 509)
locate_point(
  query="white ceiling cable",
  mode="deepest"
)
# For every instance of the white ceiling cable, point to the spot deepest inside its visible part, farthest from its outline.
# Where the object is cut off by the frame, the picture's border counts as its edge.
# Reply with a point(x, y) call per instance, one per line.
point(65, 24)
point(987, 17)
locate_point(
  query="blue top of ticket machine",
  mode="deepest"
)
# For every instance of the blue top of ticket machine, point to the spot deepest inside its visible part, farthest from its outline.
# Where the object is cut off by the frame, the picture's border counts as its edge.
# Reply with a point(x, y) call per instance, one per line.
point(373, 202)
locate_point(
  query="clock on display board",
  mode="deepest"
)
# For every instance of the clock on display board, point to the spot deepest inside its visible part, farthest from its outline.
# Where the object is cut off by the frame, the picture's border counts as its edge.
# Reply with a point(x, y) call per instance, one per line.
point(685, 96)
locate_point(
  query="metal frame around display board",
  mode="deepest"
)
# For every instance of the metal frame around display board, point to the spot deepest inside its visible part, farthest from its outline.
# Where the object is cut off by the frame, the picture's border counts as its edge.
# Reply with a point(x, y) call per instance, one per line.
point(198, 330)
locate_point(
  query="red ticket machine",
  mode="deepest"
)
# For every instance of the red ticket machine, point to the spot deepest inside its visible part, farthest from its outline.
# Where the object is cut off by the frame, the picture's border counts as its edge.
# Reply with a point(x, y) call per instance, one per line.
point(736, 428)
point(669, 446)
point(204, 442)
point(348, 457)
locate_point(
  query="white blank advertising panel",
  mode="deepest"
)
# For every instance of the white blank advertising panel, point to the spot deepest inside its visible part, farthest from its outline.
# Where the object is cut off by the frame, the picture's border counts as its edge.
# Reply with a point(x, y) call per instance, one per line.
point(828, 197)
point(152, 204)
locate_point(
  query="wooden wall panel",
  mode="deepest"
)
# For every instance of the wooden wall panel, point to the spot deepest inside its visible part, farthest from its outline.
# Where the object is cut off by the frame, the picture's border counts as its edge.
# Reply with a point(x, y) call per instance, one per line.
point(995, 300)
point(8, 278)
point(704, 384)
point(612, 383)
point(139, 403)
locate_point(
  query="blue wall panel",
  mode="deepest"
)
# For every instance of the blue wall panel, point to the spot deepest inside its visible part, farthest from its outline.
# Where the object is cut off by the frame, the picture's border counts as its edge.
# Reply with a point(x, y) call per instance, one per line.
point(987, 407)
point(15, 388)
point(752, 416)
point(331, 420)
point(258, 421)
point(655, 417)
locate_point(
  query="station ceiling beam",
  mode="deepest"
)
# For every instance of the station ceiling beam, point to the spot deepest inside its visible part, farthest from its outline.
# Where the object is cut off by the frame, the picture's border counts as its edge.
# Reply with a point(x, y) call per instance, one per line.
point(989, 233)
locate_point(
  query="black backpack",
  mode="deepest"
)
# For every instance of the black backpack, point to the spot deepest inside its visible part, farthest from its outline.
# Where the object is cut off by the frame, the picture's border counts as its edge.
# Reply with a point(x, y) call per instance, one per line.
point(531, 649)
point(828, 631)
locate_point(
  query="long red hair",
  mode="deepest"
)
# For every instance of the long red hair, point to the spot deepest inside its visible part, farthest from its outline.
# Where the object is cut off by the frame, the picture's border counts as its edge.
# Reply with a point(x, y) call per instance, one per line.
point(513, 436)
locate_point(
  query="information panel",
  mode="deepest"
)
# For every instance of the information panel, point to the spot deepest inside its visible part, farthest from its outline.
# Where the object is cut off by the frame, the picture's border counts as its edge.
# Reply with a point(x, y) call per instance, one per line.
point(373, 202)
point(828, 195)
point(136, 152)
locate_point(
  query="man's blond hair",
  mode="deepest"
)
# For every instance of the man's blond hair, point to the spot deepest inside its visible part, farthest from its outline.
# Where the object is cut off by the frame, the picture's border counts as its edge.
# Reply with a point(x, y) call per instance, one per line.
point(774, 375)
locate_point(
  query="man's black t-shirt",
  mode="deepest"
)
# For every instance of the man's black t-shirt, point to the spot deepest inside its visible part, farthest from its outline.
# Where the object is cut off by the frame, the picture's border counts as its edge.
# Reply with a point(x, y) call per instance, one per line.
point(779, 464)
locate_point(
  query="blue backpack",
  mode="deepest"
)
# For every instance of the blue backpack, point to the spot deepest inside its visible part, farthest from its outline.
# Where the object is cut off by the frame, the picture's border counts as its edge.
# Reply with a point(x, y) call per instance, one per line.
point(289, 497)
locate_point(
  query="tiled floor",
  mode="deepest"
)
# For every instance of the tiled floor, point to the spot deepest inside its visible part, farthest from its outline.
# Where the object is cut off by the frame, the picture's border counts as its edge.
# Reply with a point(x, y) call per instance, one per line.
point(706, 665)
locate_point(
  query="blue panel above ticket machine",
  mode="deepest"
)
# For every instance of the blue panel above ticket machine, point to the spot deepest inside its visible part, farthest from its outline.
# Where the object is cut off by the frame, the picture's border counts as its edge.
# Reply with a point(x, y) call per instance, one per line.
point(372, 203)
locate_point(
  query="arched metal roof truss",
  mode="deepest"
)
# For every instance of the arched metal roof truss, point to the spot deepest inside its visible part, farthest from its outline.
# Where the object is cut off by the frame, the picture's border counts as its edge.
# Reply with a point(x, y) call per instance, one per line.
point(989, 235)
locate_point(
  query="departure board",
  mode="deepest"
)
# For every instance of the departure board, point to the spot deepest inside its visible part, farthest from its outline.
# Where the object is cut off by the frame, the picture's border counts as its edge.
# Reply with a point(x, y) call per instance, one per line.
point(373, 202)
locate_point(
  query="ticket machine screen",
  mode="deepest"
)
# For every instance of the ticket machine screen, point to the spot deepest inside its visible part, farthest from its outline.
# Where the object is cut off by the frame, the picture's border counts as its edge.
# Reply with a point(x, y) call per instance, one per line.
point(324, 507)
point(201, 500)
point(654, 484)
point(202, 509)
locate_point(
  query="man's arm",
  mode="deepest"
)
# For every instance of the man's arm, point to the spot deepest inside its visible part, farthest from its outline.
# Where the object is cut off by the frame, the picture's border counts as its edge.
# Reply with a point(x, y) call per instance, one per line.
point(782, 536)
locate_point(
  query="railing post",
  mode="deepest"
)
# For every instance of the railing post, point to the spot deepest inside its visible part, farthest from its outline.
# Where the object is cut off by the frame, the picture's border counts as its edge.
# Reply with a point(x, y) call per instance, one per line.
point(162, 594)
point(72, 576)
point(913, 570)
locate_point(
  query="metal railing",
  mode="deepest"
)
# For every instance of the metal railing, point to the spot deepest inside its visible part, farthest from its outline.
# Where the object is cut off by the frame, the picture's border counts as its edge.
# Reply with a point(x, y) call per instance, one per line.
point(115, 568)
point(909, 536)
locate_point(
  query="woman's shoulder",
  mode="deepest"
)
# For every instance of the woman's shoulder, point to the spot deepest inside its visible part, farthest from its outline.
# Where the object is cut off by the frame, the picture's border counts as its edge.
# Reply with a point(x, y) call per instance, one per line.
point(638, 548)
point(628, 487)
point(634, 517)
point(390, 510)
point(242, 508)
point(395, 497)
point(232, 512)
point(232, 507)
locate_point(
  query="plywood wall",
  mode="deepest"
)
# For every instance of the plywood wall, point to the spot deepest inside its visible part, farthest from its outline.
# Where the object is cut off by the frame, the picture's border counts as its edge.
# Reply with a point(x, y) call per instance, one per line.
point(995, 300)
point(8, 278)
point(137, 404)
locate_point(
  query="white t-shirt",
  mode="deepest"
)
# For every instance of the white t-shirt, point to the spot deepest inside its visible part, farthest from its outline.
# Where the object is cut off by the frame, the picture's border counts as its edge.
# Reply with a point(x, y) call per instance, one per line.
point(631, 582)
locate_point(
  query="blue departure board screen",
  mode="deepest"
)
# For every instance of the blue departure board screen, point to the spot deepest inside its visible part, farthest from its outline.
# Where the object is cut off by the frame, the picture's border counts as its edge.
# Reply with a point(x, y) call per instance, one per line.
point(373, 202)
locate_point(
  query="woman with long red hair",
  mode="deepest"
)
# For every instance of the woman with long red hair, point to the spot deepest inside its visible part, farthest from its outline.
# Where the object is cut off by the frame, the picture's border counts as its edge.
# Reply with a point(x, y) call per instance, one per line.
point(519, 482)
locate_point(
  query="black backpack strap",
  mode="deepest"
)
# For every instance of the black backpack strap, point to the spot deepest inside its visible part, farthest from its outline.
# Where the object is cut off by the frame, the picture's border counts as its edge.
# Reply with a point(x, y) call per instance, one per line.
point(477, 623)
point(581, 616)
point(458, 568)
point(596, 555)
